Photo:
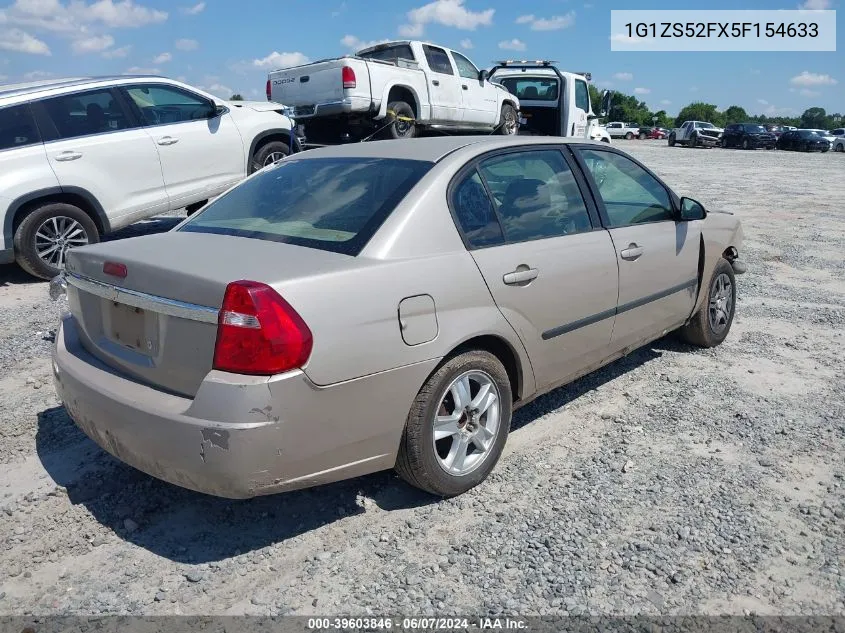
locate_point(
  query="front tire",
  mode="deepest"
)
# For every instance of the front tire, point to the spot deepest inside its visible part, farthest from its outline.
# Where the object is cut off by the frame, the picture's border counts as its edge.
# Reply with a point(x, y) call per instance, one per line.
point(268, 154)
point(402, 121)
point(457, 426)
point(693, 142)
point(745, 143)
point(711, 324)
point(671, 140)
point(509, 123)
point(47, 233)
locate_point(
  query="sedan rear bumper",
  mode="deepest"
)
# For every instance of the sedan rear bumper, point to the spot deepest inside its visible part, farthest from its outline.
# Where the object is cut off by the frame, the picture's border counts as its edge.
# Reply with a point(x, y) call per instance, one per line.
point(240, 436)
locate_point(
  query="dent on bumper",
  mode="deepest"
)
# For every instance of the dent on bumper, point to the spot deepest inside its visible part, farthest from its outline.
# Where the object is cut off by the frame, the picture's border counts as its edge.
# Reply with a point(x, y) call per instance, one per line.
point(239, 436)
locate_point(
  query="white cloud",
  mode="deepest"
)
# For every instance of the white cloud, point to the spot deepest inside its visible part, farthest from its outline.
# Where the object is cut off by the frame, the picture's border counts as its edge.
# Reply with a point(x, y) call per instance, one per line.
point(626, 39)
point(762, 102)
point(117, 53)
point(198, 8)
point(219, 90)
point(773, 110)
point(340, 10)
point(280, 60)
point(642, 91)
point(806, 92)
point(466, 44)
point(37, 74)
point(163, 58)
point(356, 44)
point(447, 13)
point(22, 42)
point(815, 5)
point(554, 23)
point(693, 88)
point(74, 17)
point(623, 76)
point(812, 79)
point(93, 44)
point(665, 102)
point(140, 70)
point(4, 77)
point(512, 45)
point(187, 44)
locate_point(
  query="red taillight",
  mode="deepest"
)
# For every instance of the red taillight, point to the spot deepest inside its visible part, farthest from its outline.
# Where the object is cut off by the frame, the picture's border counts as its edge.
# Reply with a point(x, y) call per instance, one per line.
point(115, 270)
point(348, 76)
point(258, 332)
point(268, 90)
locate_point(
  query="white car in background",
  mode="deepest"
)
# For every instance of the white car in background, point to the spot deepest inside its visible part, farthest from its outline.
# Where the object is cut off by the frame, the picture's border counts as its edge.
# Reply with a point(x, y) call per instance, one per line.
point(83, 157)
point(599, 133)
point(838, 139)
point(828, 136)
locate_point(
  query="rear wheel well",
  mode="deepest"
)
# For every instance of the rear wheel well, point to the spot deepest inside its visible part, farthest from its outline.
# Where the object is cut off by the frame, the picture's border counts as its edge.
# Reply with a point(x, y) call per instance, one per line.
point(400, 93)
point(75, 199)
point(502, 350)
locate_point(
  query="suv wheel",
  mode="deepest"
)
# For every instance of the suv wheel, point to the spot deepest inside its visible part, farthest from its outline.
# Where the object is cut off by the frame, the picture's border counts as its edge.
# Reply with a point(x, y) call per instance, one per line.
point(267, 154)
point(47, 233)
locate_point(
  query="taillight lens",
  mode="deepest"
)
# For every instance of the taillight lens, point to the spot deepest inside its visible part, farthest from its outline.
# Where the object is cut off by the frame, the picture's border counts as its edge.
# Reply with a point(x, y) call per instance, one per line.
point(268, 90)
point(348, 76)
point(258, 332)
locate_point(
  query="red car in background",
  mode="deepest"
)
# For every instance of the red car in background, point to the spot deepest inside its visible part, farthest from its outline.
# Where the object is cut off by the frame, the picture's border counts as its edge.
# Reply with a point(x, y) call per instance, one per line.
point(658, 133)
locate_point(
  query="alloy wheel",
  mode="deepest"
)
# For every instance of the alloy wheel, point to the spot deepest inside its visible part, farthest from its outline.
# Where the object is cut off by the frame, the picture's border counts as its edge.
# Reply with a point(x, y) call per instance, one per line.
point(466, 423)
point(721, 304)
point(273, 157)
point(55, 236)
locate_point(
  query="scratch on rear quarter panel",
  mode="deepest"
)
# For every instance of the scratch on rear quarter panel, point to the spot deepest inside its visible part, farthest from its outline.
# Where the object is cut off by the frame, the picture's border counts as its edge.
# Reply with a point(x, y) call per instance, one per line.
point(216, 437)
point(265, 412)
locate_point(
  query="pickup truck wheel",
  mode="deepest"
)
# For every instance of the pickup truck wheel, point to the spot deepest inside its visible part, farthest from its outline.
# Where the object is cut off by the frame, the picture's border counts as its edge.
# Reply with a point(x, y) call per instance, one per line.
point(403, 122)
point(267, 154)
point(457, 425)
point(711, 324)
point(509, 123)
point(44, 237)
point(671, 140)
point(629, 136)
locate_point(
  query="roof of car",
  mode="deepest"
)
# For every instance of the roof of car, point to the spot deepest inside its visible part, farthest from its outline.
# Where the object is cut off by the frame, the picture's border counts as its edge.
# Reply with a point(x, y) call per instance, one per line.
point(33, 87)
point(430, 149)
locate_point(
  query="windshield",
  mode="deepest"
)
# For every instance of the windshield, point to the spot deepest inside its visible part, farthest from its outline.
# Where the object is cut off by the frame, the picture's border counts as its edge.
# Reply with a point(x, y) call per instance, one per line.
point(532, 89)
point(705, 125)
point(334, 204)
point(754, 128)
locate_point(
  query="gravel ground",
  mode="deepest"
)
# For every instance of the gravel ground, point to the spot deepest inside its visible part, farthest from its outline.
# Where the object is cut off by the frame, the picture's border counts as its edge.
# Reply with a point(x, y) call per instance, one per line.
point(674, 481)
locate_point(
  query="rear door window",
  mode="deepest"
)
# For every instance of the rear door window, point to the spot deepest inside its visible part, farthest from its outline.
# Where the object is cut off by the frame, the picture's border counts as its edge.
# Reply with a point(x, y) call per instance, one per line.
point(17, 127)
point(84, 114)
point(438, 60)
point(333, 204)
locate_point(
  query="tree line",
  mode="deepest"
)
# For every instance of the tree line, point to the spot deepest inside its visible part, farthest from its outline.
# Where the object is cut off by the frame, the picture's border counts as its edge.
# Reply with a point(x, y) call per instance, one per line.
point(631, 110)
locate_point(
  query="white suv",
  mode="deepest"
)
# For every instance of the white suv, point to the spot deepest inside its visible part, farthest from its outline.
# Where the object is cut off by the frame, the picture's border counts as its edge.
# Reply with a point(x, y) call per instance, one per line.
point(82, 157)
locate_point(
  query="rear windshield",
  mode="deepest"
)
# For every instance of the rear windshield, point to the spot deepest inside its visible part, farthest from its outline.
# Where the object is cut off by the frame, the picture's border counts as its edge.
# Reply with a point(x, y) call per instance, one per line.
point(390, 53)
point(531, 89)
point(333, 204)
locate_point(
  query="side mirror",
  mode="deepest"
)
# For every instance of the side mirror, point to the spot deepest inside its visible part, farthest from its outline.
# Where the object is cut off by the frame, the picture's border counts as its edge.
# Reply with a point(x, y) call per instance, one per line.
point(606, 97)
point(692, 210)
point(218, 110)
point(483, 75)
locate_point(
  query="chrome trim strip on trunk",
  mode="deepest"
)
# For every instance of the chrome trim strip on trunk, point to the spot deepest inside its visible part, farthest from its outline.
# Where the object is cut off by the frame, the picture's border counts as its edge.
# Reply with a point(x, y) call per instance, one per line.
point(144, 301)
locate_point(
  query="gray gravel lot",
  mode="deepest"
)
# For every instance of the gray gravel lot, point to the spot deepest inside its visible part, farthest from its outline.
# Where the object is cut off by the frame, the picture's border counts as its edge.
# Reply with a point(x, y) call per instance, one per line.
point(674, 481)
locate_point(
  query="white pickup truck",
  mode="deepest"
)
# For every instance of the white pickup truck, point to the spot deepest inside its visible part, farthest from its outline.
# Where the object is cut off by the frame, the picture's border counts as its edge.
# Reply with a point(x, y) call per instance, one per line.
point(695, 134)
point(395, 90)
point(617, 129)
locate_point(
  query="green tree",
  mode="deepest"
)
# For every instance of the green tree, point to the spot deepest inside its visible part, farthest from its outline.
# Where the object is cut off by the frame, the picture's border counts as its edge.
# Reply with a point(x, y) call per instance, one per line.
point(700, 111)
point(629, 109)
point(815, 118)
point(735, 114)
point(663, 119)
point(236, 97)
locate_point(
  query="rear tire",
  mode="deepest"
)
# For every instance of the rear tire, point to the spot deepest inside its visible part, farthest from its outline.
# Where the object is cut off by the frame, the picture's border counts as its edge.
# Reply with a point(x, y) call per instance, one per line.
point(509, 123)
point(44, 236)
point(710, 325)
point(267, 154)
point(629, 136)
point(424, 460)
point(400, 127)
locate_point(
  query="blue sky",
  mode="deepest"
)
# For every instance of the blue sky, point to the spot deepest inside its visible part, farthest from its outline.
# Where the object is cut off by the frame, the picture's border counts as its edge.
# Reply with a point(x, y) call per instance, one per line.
point(226, 46)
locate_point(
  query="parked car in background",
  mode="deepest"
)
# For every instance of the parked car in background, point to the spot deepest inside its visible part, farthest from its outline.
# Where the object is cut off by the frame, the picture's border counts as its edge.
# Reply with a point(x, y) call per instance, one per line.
point(777, 130)
point(617, 129)
point(838, 139)
point(829, 137)
point(80, 158)
point(748, 136)
point(656, 133)
point(599, 133)
point(396, 89)
point(552, 102)
point(695, 134)
point(803, 141)
point(448, 280)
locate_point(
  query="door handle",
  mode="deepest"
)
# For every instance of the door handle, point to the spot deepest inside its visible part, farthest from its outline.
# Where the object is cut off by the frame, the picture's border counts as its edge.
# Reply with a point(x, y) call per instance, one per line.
point(632, 252)
point(436, 82)
point(167, 140)
point(464, 86)
point(69, 155)
point(522, 275)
